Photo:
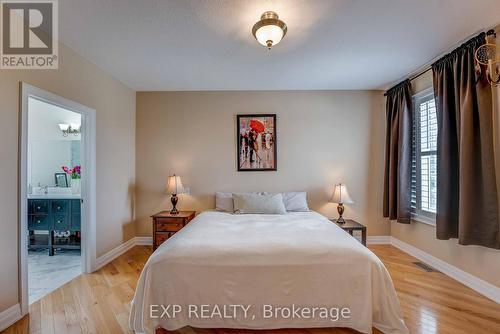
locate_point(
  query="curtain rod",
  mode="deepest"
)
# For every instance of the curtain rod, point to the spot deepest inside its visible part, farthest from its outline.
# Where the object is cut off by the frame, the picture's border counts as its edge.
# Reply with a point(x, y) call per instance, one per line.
point(490, 32)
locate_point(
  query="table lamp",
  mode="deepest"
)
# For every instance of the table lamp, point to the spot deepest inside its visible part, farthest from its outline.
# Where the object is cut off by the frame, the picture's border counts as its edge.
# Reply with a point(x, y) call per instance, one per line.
point(340, 196)
point(174, 187)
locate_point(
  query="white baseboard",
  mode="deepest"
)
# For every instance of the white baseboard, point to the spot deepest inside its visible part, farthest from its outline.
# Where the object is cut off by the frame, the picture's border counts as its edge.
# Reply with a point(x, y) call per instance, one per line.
point(143, 241)
point(378, 240)
point(117, 251)
point(114, 253)
point(10, 316)
point(475, 283)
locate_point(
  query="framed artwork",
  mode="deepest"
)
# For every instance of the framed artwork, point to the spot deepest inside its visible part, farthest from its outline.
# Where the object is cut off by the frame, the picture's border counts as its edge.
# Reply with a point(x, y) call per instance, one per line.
point(257, 150)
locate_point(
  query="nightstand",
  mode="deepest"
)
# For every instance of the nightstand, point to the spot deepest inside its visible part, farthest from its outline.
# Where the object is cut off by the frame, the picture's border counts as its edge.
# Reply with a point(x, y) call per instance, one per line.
point(350, 226)
point(166, 225)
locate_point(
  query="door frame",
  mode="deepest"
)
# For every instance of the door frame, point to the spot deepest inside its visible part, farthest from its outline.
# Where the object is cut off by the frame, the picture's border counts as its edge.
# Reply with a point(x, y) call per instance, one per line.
point(88, 186)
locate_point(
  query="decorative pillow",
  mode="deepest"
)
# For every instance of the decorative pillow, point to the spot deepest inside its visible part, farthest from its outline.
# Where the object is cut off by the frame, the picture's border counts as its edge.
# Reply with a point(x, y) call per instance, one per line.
point(224, 202)
point(296, 201)
point(257, 203)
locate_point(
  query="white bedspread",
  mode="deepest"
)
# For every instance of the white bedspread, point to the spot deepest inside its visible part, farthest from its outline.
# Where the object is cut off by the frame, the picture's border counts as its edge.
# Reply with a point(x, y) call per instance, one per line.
point(298, 260)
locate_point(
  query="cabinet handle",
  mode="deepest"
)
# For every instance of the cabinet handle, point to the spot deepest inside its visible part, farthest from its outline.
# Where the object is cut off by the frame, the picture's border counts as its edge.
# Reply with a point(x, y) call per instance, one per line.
point(38, 221)
point(38, 207)
point(58, 208)
point(59, 222)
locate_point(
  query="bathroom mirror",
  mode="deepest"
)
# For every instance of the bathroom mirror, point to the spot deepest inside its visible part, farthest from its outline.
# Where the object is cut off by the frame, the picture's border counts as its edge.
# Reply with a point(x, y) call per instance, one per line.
point(46, 158)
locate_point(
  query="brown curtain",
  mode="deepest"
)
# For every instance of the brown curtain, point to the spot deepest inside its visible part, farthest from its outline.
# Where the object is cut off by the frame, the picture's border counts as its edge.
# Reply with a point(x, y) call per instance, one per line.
point(467, 206)
point(397, 181)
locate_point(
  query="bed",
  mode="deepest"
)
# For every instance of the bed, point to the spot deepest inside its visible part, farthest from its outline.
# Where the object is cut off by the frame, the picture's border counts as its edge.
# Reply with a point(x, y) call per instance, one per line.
point(268, 263)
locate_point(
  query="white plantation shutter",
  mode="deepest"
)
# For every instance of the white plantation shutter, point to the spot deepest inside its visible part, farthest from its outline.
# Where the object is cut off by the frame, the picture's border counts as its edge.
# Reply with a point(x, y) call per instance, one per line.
point(428, 151)
point(424, 158)
point(413, 179)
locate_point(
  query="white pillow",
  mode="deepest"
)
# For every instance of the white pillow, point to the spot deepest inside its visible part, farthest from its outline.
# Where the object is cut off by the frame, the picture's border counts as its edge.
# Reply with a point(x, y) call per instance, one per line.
point(224, 202)
point(296, 201)
point(260, 204)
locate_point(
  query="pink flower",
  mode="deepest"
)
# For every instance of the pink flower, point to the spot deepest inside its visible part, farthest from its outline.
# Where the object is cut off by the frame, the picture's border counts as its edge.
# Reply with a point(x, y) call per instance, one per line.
point(75, 172)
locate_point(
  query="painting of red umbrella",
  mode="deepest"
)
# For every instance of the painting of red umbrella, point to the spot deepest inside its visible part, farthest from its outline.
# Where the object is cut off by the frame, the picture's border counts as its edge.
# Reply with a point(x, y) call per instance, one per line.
point(257, 125)
point(257, 149)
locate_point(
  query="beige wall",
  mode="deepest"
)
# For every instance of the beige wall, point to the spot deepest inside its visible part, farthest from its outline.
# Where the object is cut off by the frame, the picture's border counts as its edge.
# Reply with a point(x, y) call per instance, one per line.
point(323, 138)
point(83, 82)
point(479, 261)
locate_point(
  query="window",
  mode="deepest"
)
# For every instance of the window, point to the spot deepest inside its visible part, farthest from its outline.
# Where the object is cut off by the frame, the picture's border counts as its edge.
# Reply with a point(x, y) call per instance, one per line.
point(424, 164)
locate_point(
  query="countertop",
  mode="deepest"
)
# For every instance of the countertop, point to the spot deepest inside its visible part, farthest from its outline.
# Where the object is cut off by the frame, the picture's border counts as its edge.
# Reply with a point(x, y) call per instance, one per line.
point(55, 196)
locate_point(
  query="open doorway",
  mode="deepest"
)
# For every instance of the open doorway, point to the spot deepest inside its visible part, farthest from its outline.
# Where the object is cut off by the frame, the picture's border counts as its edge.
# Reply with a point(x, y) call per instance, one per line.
point(54, 197)
point(57, 183)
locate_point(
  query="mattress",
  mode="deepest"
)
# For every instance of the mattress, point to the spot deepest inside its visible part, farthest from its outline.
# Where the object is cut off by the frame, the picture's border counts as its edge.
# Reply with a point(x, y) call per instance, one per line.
point(296, 270)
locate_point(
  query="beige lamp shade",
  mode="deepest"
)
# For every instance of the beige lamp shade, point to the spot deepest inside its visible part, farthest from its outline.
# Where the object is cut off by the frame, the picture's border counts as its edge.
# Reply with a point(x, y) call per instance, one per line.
point(340, 194)
point(174, 185)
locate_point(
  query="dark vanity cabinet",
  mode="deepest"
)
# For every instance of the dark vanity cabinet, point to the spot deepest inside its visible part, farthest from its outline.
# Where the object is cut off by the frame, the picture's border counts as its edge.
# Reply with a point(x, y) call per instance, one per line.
point(53, 215)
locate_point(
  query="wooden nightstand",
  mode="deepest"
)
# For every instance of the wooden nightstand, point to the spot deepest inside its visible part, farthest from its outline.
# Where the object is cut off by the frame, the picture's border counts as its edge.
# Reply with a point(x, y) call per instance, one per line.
point(351, 226)
point(166, 225)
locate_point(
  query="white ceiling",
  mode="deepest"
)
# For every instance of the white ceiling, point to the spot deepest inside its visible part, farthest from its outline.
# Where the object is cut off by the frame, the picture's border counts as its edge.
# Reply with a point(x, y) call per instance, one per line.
point(208, 45)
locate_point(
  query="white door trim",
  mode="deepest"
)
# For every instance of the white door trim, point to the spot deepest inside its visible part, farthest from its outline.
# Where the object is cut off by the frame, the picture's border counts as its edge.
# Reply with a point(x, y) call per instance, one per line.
point(88, 162)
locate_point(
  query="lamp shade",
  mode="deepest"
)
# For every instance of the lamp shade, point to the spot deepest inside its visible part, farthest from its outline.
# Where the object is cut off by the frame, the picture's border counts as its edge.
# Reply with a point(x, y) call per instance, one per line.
point(340, 194)
point(174, 185)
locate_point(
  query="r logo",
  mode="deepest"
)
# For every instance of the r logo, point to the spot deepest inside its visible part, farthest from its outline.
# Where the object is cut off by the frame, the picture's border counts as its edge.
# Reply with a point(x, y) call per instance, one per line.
point(27, 28)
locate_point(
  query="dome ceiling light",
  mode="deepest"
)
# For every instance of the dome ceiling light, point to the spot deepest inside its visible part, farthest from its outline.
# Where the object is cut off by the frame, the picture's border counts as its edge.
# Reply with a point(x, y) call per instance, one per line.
point(270, 30)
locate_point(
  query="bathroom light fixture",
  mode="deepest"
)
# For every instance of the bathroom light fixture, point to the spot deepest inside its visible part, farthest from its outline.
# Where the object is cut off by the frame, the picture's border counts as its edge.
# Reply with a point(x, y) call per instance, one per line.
point(72, 128)
point(270, 30)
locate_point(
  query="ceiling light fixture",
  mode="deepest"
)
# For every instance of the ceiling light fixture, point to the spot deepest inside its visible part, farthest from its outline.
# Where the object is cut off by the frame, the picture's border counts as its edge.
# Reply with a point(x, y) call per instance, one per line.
point(270, 30)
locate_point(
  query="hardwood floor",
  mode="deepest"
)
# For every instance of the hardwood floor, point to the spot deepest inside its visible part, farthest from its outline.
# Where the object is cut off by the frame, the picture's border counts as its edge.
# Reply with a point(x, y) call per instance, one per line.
point(99, 302)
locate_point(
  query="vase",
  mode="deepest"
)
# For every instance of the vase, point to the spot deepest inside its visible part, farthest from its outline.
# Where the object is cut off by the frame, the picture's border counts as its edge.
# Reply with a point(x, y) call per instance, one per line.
point(75, 186)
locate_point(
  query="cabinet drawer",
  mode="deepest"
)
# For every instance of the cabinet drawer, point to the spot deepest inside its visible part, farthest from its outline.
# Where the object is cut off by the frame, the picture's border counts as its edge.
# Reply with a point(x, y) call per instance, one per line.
point(60, 223)
point(161, 237)
point(171, 220)
point(75, 206)
point(60, 207)
point(38, 222)
point(39, 207)
point(75, 222)
point(168, 226)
